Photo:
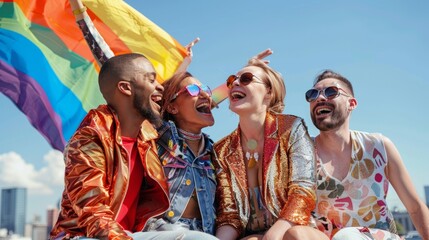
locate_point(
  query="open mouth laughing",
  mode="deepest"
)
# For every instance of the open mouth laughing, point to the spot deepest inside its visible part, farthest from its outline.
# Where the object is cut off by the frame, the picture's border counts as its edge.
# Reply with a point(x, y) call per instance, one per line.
point(156, 99)
point(204, 107)
point(237, 95)
point(323, 109)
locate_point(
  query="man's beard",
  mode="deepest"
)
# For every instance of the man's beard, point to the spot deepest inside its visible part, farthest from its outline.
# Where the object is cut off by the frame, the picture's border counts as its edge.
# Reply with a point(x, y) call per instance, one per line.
point(143, 106)
point(337, 119)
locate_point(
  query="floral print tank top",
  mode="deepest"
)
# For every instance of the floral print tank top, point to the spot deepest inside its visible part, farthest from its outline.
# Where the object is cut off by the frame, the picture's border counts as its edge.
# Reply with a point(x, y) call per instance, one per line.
point(360, 198)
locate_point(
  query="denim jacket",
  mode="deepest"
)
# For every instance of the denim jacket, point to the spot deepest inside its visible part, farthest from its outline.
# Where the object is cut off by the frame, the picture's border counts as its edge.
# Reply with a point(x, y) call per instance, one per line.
point(185, 172)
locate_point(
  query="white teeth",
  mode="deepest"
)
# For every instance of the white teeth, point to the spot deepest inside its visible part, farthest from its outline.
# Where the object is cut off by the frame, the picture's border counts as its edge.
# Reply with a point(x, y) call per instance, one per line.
point(323, 110)
point(238, 95)
point(204, 107)
point(156, 98)
point(204, 104)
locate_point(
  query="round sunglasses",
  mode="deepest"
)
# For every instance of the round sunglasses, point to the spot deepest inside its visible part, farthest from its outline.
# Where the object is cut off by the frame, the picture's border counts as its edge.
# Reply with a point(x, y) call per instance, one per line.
point(328, 92)
point(193, 90)
point(244, 79)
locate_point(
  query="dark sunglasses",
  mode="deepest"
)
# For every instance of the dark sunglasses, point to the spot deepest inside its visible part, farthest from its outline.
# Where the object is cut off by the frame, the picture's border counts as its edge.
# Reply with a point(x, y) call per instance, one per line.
point(329, 93)
point(244, 79)
point(193, 90)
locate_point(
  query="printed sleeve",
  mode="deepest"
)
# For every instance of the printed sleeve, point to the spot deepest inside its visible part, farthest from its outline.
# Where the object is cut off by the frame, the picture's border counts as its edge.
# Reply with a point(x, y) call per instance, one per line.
point(95, 41)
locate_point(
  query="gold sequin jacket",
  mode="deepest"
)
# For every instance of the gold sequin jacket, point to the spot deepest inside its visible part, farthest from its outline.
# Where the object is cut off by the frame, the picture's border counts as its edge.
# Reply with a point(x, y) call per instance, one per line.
point(288, 178)
point(97, 177)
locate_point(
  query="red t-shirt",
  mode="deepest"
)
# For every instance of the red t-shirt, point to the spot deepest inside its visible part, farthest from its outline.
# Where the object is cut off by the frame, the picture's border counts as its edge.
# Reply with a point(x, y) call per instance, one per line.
point(127, 212)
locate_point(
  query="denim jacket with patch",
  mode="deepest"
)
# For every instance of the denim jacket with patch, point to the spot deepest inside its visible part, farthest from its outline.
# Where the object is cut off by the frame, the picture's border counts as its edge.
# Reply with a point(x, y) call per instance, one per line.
point(186, 172)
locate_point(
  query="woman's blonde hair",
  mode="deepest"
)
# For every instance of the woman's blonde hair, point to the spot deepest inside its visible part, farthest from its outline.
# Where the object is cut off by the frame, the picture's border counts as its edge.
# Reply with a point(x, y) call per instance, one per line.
point(275, 82)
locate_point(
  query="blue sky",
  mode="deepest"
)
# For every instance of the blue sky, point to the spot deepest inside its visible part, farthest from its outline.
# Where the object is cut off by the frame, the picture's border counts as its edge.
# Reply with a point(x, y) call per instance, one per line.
point(380, 46)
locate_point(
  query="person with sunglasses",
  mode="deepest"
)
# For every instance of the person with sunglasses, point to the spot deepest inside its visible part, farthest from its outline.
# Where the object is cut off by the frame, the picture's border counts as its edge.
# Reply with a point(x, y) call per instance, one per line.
point(186, 154)
point(184, 208)
point(354, 169)
point(266, 167)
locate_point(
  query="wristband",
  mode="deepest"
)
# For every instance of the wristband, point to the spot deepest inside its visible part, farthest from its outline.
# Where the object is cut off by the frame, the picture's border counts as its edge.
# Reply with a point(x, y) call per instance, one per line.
point(79, 10)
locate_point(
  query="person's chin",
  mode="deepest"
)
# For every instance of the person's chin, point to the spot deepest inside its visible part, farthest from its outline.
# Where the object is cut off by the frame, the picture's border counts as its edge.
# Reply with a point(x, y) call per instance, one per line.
point(209, 122)
point(239, 108)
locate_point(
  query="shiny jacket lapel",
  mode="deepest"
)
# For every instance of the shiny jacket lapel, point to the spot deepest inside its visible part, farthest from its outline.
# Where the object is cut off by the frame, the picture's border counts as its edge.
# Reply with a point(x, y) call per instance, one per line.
point(270, 144)
point(235, 158)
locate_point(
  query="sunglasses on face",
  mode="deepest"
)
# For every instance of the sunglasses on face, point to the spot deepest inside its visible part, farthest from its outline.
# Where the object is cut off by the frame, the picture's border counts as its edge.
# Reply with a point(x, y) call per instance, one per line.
point(328, 92)
point(193, 90)
point(244, 79)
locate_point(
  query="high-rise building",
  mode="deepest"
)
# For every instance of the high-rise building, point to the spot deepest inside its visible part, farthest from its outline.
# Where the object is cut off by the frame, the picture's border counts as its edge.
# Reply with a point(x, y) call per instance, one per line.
point(13, 210)
point(52, 216)
point(427, 195)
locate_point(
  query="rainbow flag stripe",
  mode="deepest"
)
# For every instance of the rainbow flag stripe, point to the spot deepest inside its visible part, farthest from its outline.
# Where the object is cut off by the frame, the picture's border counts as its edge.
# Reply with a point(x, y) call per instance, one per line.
point(49, 72)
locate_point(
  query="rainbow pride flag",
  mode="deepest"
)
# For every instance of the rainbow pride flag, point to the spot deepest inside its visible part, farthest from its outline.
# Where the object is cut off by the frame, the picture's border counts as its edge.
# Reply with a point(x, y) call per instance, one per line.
point(49, 72)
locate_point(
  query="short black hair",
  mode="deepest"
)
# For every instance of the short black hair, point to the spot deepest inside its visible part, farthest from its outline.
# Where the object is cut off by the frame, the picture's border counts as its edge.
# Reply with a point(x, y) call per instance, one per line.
point(115, 69)
point(117, 65)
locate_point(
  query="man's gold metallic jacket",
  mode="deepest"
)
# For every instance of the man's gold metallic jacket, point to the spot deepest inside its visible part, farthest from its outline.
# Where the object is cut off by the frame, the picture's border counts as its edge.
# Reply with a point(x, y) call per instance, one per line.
point(97, 178)
point(288, 177)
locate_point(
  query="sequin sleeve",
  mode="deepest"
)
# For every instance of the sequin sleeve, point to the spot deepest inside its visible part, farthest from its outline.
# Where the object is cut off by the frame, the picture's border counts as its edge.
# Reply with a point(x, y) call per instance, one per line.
point(227, 209)
point(302, 181)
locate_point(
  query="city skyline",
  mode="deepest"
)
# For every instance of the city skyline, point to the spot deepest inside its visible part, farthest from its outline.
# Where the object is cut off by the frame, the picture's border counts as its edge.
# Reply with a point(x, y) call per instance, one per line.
point(13, 210)
point(13, 220)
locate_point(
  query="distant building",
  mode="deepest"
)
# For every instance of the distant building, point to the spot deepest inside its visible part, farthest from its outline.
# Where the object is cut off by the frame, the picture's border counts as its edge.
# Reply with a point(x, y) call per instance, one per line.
point(36, 230)
point(51, 218)
point(427, 195)
point(404, 219)
point(39, 232)
point(13, 210)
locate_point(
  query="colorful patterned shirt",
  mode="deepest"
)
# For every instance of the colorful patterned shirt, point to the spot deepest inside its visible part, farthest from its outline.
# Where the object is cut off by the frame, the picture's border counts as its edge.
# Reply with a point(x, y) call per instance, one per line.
point(360, 198)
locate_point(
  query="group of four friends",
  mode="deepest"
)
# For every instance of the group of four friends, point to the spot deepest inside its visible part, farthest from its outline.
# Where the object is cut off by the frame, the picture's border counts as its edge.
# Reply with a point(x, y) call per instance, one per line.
point(139, 167)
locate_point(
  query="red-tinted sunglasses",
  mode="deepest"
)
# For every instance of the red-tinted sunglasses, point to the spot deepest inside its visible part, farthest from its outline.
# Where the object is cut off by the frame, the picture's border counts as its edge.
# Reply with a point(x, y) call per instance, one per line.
point(244, 79)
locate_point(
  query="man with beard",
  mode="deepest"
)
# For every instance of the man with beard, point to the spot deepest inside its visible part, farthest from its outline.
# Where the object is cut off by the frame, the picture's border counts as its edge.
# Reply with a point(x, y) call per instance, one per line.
point(354, 170)
point(114, 181)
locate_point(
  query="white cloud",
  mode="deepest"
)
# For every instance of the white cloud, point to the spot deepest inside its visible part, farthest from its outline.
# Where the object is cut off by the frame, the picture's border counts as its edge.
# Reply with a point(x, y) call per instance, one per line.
point(53, 172)
point(16, 172)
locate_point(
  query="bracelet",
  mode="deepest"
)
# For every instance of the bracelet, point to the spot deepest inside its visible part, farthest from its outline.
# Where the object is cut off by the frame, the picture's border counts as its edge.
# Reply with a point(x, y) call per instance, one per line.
point(79, 11)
